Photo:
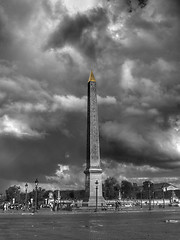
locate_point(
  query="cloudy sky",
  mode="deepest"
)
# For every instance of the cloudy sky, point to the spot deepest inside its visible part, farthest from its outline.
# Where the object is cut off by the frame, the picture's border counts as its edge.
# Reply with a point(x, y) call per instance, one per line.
point(47, 49)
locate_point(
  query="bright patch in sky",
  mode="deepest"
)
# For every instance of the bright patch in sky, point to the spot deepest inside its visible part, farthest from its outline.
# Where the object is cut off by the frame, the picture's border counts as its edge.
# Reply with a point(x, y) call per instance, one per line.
point(15, 127)
point(75, 6)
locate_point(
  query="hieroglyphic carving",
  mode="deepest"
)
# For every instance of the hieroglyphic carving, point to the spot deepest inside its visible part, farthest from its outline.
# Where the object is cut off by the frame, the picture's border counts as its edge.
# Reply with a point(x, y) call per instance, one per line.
point(93, 127)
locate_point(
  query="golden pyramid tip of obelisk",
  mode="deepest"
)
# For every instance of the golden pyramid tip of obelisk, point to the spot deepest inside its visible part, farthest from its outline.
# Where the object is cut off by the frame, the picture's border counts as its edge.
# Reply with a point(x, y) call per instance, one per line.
point(91, 77)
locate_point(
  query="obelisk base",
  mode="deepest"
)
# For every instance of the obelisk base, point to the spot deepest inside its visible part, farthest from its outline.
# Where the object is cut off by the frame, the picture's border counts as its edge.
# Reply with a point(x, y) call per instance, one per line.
point(94, 187)
point(100, 202)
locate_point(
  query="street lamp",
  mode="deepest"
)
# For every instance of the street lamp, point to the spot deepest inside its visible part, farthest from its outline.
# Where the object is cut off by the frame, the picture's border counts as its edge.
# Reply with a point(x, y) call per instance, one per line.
point(96, 182)
point(26, 187)
point(123, 193)
point(153, 198)
point(149, 187)
point(36, 199)
point(119, 195)
point(164, 189)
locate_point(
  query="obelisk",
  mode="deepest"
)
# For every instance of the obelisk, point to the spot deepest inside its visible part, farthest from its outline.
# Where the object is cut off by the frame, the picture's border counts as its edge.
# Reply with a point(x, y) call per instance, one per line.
point(93, 172)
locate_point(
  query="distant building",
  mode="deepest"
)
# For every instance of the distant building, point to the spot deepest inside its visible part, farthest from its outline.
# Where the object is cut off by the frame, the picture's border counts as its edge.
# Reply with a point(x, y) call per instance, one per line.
point(159, 191)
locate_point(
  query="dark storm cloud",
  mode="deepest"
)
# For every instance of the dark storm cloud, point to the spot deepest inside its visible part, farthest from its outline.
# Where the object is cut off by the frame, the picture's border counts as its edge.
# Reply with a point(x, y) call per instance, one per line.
point(25, 159)
point(82, 31)
point(133, 49)
point(140, 132)
point(55, 12)
point(26, 113)
point(130, 5)
point(127, 144)
point(5, 34)
point(15, 17)
point(70, 30)
point(170, 9)
point(20, 11)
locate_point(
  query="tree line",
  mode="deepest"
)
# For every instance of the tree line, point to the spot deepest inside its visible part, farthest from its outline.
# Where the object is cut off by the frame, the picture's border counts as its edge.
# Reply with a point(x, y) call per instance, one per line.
point(112, 189)
point(127, 190)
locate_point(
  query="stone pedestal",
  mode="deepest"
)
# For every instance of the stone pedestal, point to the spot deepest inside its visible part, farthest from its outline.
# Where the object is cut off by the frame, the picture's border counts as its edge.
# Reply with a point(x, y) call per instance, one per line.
point(94, 187)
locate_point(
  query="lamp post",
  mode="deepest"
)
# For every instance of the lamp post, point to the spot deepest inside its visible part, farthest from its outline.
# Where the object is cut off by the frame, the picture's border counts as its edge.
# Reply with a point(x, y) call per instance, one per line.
point(163, 198)
point(119, 195)
point(163, 189)
point(149, 193)
point(36, 197)
point(96, 182)
point(141, 197)
point(26, 187)
point(153, 198)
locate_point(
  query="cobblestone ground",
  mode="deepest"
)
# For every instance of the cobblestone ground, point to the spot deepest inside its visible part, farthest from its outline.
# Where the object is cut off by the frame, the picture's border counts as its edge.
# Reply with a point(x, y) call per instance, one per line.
point(162, 225)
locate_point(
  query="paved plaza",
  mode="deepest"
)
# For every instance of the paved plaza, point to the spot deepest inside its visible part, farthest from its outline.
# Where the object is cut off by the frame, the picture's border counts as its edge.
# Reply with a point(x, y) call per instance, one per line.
point(124, 225)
